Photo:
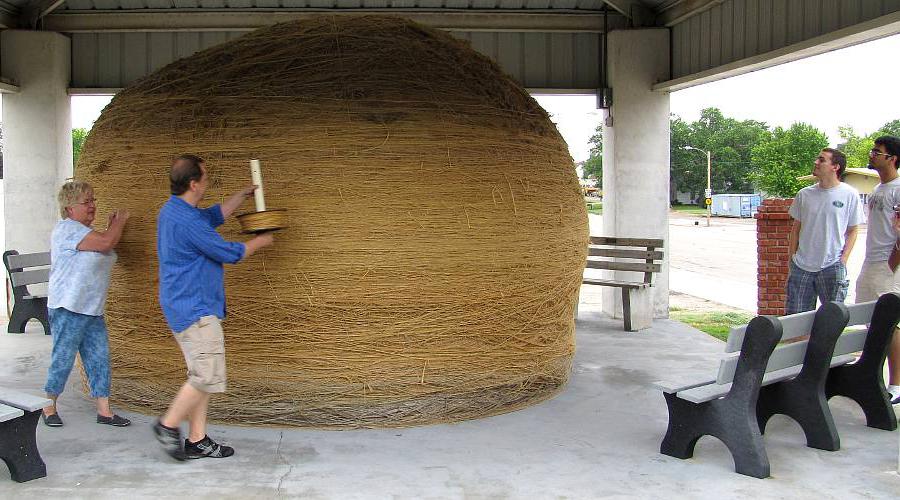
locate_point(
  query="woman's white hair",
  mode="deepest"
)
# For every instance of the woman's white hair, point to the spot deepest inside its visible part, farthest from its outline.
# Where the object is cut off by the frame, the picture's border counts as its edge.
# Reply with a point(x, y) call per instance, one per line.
point(69, 194)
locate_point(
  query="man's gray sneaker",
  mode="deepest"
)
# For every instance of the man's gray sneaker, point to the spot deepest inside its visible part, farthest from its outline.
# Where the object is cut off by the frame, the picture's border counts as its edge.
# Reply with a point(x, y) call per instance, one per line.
point(206, 448)
point(170, 439)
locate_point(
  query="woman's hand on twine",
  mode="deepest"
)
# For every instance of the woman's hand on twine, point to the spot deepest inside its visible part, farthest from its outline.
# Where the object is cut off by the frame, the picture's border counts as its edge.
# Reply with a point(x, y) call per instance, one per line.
point(119, 216)
point(248, 191)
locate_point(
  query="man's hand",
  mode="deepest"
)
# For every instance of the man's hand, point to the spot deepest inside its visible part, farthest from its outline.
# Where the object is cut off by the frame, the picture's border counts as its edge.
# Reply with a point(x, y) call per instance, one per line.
point(266, 239)
point(260, 241)
point(232, 203)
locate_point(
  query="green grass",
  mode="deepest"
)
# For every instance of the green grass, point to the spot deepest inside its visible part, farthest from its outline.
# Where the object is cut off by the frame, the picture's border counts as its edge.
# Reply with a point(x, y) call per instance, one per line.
point(595, 207)
point(689, 209)
point(712, 323)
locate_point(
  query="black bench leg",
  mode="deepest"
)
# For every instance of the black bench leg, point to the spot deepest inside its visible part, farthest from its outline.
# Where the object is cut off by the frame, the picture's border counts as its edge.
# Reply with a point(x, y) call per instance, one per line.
point(684, 431)
point(44, 318)
point(747, 449)
point(30, 309)
point(18, 447)
point(863, 381)
point(860, 383)
point(17, 320)
point(688, 422)
point(732, 419)
point(626, 308)
point(804, 404)
point(803, 397)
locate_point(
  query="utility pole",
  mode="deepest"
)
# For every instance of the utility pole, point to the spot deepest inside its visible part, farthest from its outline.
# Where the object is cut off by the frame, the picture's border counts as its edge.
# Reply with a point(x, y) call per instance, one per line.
point(708, 185)
point(707, 198)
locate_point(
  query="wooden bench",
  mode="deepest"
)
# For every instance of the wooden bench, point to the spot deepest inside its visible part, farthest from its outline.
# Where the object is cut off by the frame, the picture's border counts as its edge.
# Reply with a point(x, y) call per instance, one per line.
point(19, 415)
point(640, 255)
point(27, 305)
point(795, 379)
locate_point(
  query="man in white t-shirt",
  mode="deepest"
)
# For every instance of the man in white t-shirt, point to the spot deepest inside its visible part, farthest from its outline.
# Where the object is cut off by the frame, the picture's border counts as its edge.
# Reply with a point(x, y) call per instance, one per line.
point(878, 274)
point(826, 219)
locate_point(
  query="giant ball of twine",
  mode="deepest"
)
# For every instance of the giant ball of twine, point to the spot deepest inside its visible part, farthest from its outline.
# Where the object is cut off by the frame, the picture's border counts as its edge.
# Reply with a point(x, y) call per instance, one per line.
point(437, 232)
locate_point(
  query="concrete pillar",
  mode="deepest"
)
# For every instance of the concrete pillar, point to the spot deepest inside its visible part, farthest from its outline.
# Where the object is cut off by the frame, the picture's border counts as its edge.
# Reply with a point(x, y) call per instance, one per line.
point(636, 153)
point(37, 134)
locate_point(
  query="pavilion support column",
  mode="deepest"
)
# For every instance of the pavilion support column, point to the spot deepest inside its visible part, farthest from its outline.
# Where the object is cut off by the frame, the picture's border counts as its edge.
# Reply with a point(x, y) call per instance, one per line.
point(37, 135)
point(636, 153)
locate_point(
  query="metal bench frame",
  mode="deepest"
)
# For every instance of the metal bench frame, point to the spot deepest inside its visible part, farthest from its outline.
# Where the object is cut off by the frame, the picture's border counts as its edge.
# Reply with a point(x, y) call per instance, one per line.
point(643, 255)
point(27, 306)
point(19, 415)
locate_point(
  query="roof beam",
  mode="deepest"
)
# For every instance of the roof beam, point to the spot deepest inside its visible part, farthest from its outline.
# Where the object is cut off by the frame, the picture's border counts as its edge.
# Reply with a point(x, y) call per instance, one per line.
point(531, 90)
point(37, 10)
point(674, 13)
point(634, 10)
point(866, 31)
point(244, 20)
point(8, 21)
point(8, 86)
point(9, 15)
point(622, 6)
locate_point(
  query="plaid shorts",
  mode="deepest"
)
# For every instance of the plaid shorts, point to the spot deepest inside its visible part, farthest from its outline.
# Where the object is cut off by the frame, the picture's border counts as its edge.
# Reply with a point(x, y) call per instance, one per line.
point(803, 287)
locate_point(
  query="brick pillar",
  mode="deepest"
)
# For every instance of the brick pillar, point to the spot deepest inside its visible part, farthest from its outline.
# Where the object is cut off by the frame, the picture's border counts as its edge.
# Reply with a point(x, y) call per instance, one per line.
point(773, 228)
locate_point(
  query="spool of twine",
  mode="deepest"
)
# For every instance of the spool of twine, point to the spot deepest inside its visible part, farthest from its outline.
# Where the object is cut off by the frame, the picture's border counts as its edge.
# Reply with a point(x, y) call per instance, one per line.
point(272, 219)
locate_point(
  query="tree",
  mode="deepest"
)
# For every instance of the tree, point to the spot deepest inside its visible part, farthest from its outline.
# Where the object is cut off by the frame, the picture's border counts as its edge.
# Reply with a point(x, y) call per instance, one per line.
point(593, 166)
point(891, 128)
point(78, 137)
point(788, 154)
point(686, 174)
point(729, 141)
point(857, 147)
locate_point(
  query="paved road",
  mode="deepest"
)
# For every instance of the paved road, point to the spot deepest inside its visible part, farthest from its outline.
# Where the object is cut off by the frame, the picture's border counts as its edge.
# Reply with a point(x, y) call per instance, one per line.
point(718, 263)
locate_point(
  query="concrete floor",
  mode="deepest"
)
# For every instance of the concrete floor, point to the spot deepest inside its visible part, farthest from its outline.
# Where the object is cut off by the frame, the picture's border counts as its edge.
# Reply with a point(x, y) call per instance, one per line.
point(599, 438)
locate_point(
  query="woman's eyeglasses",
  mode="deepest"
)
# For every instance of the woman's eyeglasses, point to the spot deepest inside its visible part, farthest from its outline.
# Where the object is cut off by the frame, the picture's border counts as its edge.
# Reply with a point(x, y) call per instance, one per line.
point(91, 201)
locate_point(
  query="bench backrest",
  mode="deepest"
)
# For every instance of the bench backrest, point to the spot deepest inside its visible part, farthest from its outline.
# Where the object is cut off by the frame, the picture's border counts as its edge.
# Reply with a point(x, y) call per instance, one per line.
point(641, 255)
point(798, 325)
point(17, 266)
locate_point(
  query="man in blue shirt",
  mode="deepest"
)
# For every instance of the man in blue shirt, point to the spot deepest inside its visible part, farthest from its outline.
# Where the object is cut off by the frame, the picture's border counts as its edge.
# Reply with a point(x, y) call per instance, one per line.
point(192, 296)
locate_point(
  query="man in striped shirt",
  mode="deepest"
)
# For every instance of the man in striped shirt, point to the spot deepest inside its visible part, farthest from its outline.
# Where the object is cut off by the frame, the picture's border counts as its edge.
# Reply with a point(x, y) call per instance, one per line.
point(192, 295)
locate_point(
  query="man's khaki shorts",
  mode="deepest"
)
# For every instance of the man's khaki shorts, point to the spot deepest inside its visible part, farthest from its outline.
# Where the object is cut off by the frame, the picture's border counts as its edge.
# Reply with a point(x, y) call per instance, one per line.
point(876, 279)
point(203, 345)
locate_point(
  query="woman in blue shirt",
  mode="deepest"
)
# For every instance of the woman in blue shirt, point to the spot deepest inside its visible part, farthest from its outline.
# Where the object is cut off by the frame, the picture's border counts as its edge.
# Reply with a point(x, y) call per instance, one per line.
point(81, 260)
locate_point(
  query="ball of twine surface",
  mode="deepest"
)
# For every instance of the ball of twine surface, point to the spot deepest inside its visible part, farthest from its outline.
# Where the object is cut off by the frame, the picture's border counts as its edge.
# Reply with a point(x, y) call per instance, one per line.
point(436, 231)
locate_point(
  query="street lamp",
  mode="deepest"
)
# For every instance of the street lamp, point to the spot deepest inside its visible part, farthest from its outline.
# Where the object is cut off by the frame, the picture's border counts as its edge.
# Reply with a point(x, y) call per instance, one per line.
point(708, 179)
